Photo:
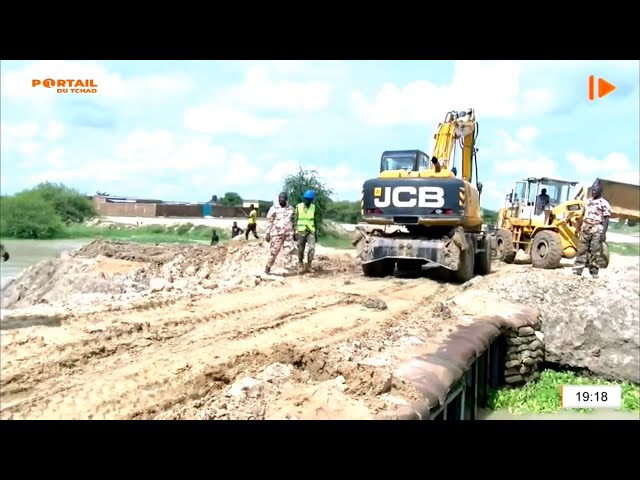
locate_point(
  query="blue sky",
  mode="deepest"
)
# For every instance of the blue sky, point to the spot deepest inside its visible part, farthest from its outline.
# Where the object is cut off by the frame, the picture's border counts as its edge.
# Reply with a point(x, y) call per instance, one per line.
point(184, 130)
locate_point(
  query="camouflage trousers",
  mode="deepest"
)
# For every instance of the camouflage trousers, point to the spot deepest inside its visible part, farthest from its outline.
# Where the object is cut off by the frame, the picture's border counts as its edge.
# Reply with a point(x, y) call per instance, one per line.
point(589, 252)
point(307, 240)
point(282, 243)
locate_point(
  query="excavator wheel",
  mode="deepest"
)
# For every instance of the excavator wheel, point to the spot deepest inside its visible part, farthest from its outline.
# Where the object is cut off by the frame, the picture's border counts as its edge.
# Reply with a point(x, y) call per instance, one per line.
point(505, 251)
point(546, 250)
point(381, 268)
point(483, 259)
point(466, 266)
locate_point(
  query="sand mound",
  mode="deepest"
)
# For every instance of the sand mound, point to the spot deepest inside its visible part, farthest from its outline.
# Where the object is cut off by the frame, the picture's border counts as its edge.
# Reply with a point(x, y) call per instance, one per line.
point(121, 271)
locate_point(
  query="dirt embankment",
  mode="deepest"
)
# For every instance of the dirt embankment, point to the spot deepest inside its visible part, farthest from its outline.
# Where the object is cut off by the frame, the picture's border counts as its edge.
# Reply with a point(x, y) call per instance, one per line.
point(592, 324)
point(111, 274)
point(88, 336)
point(118, 331)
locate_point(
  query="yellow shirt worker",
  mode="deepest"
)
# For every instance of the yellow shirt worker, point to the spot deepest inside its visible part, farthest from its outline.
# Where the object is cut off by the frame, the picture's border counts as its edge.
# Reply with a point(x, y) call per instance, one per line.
point(253, 223)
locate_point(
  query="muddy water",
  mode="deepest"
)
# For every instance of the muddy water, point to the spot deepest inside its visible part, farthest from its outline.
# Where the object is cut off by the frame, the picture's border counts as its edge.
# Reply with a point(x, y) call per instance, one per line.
point(24, 253)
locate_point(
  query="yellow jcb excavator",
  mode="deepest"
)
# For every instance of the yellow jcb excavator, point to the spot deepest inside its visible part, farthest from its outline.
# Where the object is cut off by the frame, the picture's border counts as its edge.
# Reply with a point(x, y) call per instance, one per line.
point(421, 213)
point(548, 233)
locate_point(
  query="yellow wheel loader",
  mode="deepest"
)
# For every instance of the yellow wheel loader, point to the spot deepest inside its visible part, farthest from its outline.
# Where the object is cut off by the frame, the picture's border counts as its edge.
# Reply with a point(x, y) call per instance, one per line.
point(542, 216)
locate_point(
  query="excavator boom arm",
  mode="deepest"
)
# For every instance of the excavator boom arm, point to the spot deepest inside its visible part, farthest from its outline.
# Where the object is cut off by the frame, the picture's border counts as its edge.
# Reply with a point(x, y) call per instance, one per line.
point(455, 127)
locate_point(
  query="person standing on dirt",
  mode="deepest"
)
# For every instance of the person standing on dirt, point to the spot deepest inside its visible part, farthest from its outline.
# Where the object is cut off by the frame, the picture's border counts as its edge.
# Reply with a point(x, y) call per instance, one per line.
point(214, 237)
point(306, 230)
point(252, 226)
point(235, 230)
point(280, 231)
point(593, 233)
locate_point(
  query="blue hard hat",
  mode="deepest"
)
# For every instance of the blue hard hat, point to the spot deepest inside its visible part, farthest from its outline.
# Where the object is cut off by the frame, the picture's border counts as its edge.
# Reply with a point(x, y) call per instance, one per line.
point(308, 194)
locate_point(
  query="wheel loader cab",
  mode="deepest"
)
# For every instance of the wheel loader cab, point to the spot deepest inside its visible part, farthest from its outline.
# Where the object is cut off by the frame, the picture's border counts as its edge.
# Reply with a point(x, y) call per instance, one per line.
point(525, 200)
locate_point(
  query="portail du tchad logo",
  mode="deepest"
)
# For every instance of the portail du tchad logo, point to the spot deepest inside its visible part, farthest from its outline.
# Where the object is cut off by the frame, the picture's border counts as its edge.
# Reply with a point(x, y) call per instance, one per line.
point(67, 85)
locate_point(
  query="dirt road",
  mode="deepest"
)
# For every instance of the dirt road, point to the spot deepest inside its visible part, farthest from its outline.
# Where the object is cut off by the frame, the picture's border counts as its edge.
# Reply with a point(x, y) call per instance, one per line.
point(318, 346)
point(125, 331)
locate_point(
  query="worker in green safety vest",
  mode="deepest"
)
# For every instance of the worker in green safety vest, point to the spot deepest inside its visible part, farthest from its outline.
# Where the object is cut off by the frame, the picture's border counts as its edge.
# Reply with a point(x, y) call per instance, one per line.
point(306, 230)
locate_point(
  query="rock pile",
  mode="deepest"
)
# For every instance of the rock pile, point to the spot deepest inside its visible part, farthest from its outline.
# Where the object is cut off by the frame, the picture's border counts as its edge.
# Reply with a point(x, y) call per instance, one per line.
point(525, 351)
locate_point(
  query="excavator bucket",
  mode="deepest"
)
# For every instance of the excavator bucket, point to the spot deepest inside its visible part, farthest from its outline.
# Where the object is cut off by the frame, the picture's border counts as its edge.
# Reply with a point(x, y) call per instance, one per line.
point(623, 197)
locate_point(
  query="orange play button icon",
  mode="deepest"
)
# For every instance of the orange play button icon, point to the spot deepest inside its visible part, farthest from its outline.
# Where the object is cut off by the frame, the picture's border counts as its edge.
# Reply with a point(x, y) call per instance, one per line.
point(604, 87)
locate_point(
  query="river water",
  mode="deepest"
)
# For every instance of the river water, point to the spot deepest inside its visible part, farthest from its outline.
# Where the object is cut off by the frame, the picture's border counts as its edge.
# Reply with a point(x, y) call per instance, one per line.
point(24, 253)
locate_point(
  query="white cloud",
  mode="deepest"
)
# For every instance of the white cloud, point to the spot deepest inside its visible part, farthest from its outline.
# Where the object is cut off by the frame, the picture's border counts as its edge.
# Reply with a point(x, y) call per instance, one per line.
point(280, 170)
point(22, 130)
point(28, 138)
point(342, 179)
point(216, 119)
point(55, 158)
point(28, 148)
point(105, 171)
point(235, 110)
point(492, 88)
point(259, 91)
point(54, 131)
point(615, 166)
point(521, 157)
point(495, 89)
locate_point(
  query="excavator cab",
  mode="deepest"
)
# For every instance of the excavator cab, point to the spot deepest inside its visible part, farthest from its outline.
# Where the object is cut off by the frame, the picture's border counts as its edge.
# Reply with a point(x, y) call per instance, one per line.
point(408, 160)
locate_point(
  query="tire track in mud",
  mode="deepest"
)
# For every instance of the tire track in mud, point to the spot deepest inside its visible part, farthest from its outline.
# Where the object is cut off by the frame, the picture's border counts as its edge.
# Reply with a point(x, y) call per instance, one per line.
point(123, 380)
point(134, 337)
point(102, 347)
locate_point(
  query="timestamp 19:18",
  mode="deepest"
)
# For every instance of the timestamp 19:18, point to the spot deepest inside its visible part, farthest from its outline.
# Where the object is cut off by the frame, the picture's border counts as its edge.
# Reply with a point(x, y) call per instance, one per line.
point(591, 396)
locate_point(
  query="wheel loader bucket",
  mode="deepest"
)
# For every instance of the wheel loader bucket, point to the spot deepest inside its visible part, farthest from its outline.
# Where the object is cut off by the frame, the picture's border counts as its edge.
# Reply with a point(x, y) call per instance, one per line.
point(623, 197)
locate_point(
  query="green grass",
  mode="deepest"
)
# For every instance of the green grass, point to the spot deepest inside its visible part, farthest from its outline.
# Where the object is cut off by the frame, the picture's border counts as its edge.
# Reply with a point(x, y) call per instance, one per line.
point(335, 240)
point(543, 395)
point(630, 249)
point(186, 233)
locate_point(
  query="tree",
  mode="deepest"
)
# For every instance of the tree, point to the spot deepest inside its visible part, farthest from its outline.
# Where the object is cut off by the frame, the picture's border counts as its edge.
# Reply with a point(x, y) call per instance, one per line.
point(43, 211)
point(28, 215)
point(230, 199)
point(343, 211)
point(70, 205)
point(295, 186)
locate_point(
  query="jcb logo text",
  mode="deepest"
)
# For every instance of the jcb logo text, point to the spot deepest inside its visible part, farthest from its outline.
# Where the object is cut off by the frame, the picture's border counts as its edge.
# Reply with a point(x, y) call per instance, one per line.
point(407, 197)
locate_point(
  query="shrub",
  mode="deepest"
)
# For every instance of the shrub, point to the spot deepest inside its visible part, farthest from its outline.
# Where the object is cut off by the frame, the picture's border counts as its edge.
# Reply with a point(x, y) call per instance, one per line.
point(29, 215)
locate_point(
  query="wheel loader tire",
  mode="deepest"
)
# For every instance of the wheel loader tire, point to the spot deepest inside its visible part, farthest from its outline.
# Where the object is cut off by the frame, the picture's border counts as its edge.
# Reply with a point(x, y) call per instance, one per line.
point(505, 251)
point(483, 260)
point(381, 268)
point(466, 266)
point(606, 254)
point(546, 250)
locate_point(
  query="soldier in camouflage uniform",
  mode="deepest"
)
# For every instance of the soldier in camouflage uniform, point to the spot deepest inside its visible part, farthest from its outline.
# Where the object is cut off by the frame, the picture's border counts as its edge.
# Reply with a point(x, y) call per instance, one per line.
point(593, 233)
point(280, 232)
